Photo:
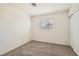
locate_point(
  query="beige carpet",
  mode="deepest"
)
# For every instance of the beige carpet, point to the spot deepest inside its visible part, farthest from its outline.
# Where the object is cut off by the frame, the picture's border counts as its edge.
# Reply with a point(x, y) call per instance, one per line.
point(35, 48)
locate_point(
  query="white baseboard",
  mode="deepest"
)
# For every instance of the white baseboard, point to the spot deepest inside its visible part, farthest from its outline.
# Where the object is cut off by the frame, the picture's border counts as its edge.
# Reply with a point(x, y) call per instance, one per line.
point(9, 49)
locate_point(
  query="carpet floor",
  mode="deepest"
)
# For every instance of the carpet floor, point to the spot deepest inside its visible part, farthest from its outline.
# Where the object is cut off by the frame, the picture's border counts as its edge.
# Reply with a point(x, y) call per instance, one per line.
point(36, 48)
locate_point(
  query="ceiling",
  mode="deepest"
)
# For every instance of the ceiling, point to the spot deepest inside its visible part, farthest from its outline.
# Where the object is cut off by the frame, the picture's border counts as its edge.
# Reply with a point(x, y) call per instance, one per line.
point(41, 8)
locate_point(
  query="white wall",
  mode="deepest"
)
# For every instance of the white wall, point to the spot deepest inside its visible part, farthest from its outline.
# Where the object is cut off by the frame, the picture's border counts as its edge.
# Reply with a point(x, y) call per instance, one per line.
point(75, 32)
point(59, 34)
point(73, 8)
point(15, 28)
point(74, 27)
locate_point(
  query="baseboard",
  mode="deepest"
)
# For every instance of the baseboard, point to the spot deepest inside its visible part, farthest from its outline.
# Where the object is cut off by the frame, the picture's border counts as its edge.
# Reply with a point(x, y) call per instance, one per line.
point(52, 42)
point(8, 50)
point(76, 52)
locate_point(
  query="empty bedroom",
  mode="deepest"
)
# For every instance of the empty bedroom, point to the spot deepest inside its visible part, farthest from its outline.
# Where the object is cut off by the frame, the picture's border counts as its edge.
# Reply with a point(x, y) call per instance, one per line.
point(39, 29)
